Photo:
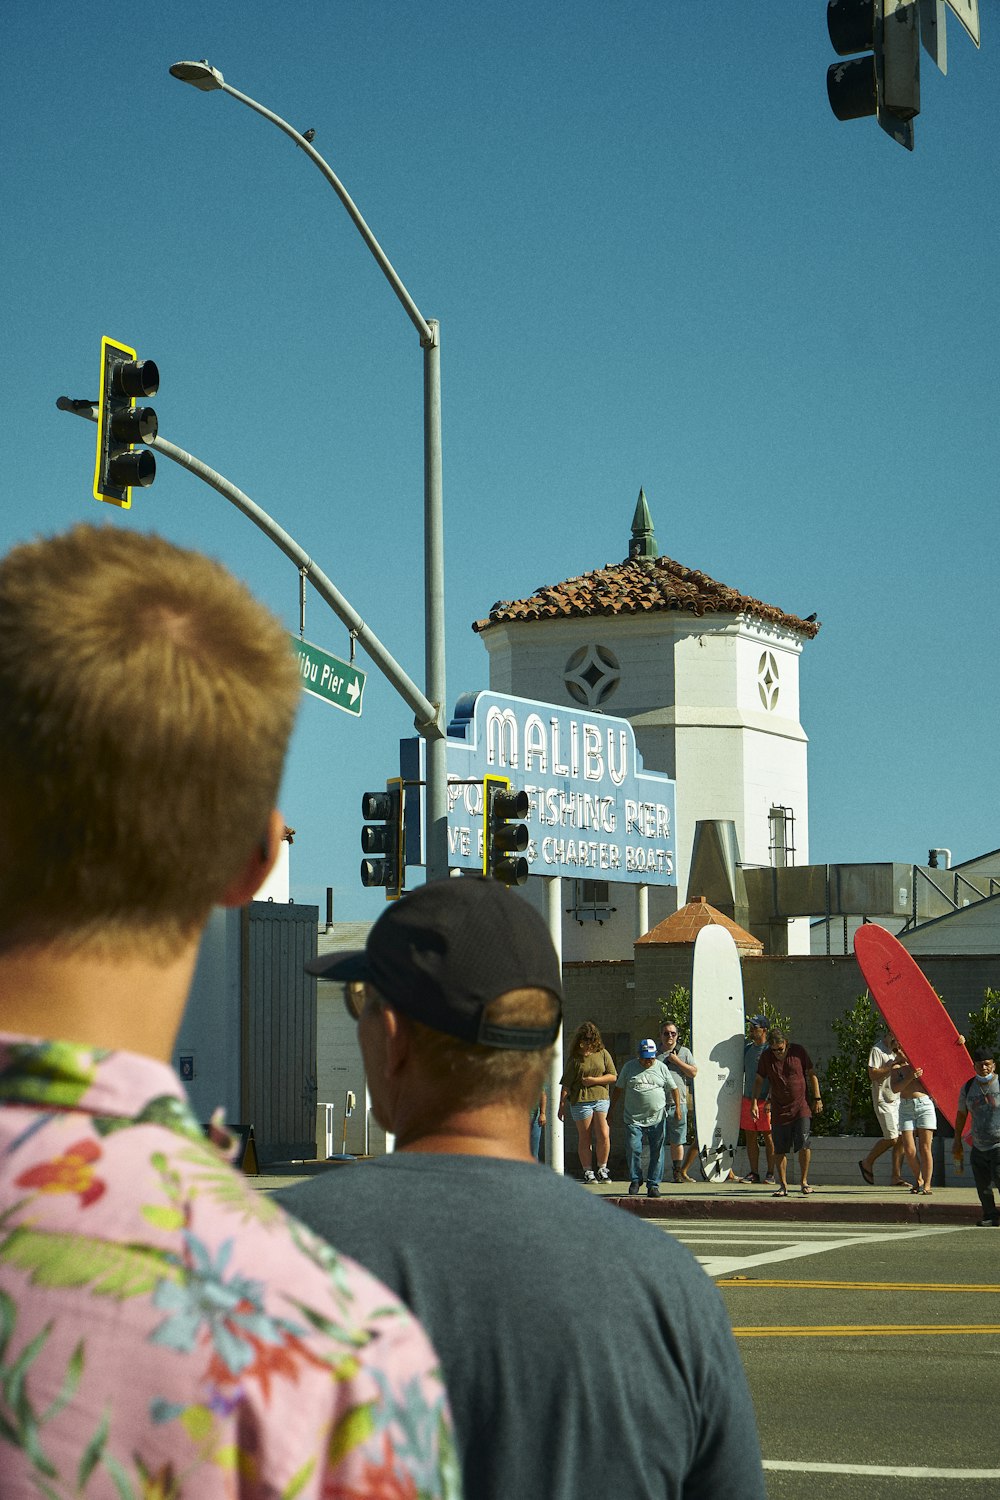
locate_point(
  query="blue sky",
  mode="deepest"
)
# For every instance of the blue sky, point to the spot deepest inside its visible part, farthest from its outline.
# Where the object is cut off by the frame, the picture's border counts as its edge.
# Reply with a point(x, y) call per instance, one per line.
point(657, 260)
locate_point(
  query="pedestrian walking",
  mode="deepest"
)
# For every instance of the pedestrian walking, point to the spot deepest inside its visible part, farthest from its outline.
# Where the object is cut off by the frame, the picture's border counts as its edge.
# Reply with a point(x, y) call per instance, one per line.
point(651, 1096)
point(979, 1099)
point(787, 1068)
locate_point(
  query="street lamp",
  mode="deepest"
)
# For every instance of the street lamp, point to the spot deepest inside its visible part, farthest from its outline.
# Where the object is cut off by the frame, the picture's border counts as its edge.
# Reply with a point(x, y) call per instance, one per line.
point(201, 75)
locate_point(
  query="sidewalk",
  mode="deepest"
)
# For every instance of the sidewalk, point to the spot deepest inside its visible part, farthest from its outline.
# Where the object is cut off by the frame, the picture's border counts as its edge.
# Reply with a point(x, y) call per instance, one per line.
point(732, 1200)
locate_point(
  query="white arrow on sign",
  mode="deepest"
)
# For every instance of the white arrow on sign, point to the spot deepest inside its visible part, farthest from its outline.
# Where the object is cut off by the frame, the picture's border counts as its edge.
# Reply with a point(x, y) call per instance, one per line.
point(933, 31)
point(354, 691)
point(967, 12)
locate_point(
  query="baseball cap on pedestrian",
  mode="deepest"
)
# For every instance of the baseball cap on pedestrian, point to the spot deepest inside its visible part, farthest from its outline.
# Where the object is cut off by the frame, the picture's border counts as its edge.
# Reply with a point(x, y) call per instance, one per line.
point(647, 1047)
point(443, 953)
point(758, 1021)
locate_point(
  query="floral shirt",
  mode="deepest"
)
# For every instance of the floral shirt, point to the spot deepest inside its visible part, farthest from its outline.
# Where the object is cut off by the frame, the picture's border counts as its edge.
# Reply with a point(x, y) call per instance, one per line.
point(167, 1332)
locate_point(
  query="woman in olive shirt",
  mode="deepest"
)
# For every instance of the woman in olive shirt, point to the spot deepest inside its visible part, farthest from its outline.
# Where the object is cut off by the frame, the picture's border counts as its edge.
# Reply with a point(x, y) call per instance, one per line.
point(586, 1083)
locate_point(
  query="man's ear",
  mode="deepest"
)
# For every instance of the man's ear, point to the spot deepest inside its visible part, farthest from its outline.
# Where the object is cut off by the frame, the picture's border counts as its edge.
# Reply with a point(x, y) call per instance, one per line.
point(396, 1029)
point(245, 885)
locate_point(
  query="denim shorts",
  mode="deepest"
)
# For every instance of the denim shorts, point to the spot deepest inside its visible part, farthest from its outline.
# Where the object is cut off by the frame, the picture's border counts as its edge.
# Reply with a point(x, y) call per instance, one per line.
point(592, 1107)
point(917, 1114)
point(792, 1137)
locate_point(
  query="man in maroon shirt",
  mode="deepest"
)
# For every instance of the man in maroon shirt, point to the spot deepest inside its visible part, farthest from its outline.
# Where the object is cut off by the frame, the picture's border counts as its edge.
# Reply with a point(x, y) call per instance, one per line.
point(788, 1068)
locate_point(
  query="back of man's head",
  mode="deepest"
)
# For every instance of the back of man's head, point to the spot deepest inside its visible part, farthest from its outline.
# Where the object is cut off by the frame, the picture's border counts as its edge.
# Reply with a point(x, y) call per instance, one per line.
point(147, 702)
point(471, 967)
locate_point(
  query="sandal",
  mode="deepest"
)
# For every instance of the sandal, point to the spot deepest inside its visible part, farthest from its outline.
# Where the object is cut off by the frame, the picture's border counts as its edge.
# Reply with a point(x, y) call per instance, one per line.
point(805, 1188)
point(781, 1193)
point(867, 1173)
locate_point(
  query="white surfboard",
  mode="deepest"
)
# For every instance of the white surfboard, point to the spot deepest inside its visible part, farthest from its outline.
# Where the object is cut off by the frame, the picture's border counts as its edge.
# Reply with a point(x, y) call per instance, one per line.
point(717, 1042)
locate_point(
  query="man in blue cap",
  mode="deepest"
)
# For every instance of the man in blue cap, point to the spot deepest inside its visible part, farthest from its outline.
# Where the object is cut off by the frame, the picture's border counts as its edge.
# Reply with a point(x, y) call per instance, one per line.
point(652, 1093)
point(759, 1129)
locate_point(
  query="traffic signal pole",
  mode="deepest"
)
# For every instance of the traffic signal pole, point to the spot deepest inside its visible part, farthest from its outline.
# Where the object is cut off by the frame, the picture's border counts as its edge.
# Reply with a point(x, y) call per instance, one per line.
point(201, 75)
point(423, 709)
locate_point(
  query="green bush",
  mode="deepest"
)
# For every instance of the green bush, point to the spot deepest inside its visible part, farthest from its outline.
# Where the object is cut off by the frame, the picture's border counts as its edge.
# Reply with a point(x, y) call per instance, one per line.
point(676, 1008)
point(846, 1087)
point(983, 1029)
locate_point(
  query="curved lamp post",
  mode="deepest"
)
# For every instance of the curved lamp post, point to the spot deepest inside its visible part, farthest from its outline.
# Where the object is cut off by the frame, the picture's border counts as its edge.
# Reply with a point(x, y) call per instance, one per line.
point(203, 76)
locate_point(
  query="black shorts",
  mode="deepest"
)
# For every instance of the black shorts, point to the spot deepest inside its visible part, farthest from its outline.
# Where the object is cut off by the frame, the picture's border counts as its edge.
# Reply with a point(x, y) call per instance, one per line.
point(793, 1137)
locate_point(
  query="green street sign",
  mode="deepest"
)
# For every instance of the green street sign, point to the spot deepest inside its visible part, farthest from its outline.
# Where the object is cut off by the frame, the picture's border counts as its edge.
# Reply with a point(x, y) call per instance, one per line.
point(329, 678)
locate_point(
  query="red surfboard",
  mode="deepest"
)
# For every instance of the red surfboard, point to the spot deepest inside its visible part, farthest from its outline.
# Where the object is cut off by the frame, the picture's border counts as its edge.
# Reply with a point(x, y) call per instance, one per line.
point(914, 1015)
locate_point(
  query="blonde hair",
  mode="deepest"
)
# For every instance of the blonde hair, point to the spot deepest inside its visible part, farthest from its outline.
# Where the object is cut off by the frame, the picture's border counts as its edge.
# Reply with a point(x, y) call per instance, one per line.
point(146, 701)
point(466, 1075)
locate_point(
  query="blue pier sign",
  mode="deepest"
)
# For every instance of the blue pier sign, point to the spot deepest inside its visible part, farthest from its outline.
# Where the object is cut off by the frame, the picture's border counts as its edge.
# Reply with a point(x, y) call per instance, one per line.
point(594, 813)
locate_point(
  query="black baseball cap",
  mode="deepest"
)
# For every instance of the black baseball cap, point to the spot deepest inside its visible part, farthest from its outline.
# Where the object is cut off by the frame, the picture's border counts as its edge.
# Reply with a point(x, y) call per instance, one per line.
point(441, 954)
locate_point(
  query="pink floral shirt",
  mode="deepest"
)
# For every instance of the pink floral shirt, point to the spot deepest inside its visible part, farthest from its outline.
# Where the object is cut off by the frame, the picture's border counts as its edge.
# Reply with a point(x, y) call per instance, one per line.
point(167, 1332)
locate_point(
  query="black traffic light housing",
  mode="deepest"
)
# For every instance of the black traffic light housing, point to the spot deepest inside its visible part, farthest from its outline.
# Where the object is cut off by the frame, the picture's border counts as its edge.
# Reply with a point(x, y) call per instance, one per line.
point(885, 80)
point(120, 424)
point(383, 835)
point(504, 838)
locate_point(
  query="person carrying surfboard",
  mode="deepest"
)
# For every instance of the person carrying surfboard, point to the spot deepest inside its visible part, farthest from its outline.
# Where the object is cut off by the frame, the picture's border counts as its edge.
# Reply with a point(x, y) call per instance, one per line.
point(917, 1121)
point(788, 1069)
point(885, 1103)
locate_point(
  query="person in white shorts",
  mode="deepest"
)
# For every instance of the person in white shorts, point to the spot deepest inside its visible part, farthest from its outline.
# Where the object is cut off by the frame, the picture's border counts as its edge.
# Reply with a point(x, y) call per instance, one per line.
point(881, 1061)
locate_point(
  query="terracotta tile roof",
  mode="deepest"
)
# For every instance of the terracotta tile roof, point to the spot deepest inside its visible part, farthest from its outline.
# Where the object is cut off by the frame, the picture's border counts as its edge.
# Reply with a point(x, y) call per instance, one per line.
point(685, 925)
point(636, 587)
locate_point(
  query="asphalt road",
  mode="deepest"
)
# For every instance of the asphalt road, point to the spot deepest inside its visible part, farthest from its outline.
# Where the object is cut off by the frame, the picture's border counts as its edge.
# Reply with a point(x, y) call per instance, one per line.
point(873, 1350)
point(869, 1327)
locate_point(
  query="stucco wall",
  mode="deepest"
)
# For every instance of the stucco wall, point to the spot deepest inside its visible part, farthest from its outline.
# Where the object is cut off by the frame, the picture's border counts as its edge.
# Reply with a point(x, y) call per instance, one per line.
point(813, 991)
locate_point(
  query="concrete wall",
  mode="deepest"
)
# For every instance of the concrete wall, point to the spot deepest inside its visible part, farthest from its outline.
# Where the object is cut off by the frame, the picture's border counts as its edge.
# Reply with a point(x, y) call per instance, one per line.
point(813, 991)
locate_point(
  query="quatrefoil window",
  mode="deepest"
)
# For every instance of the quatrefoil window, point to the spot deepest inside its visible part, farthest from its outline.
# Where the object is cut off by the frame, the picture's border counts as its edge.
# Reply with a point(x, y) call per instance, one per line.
point(592, 674)
point(767, 680)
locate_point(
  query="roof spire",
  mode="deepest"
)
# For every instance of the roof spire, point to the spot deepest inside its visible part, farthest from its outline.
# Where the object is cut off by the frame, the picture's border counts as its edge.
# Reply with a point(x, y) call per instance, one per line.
point(643, 544)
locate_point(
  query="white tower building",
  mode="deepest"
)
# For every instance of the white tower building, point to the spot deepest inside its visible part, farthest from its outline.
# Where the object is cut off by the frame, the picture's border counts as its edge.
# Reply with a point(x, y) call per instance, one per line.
point(709, 679)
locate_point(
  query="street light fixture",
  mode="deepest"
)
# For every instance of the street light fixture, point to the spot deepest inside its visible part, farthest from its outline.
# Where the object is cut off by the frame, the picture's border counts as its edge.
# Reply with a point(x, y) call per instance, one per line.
point(201, 75)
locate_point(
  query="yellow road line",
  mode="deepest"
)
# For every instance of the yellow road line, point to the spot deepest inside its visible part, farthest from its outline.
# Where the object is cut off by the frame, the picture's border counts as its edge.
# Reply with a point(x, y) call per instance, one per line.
point(861, 1330)
point(865, 1286)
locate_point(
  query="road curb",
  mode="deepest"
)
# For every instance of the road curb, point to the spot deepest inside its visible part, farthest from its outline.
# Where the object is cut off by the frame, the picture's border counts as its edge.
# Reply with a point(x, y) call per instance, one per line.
point(801, 1210)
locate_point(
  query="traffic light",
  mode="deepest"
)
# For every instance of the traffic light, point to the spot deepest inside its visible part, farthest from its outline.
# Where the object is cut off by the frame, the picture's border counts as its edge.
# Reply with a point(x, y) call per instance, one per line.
point(382, 834)
point(120, 424)
point(503, 838)
point(885, 80)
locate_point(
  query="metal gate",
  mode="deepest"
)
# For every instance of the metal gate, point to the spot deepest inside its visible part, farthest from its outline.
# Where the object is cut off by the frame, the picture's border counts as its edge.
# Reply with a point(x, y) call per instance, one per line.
point(278, 1029)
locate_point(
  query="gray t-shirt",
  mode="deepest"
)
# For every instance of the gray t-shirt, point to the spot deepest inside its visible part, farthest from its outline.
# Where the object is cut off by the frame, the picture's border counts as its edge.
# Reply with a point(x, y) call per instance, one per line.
point(882, 1092)
point(983, 1106)
point(751, 1057)
point(526, 1283)
point(648, 1091)
point(686, 1056)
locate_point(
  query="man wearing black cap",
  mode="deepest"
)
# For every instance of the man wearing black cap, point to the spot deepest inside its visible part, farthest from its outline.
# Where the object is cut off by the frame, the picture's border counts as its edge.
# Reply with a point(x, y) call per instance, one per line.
point(519, 1275)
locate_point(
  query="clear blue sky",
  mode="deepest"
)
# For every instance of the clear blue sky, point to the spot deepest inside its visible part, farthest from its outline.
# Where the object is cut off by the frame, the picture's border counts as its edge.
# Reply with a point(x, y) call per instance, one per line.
point(657, 259)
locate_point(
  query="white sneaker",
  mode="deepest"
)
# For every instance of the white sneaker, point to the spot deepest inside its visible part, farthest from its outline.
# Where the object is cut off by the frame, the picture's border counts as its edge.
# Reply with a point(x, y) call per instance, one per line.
point(603, 1175)
point(589, 1177)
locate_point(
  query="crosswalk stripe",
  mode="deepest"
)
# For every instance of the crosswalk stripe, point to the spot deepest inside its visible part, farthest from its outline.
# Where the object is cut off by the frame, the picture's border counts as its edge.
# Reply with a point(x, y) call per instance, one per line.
point(892, 1471)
